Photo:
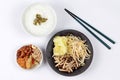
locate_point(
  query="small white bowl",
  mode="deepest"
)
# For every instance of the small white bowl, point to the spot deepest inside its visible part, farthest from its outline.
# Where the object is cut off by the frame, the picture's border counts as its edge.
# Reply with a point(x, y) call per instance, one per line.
point(38, 65)
point(45, 11)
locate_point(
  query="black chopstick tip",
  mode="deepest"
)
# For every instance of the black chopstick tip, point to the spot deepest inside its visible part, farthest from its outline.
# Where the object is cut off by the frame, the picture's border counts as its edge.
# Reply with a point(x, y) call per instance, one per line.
point(109, 48)
point(114, 42)
point(66, 10)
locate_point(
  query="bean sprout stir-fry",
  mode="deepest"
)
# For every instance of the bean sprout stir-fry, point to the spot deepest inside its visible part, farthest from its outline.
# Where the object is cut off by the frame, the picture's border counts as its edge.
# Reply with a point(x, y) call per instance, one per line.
point(77, 53)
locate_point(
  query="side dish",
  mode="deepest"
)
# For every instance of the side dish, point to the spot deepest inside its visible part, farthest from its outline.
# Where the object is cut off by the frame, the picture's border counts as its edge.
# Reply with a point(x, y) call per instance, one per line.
point(29, 56)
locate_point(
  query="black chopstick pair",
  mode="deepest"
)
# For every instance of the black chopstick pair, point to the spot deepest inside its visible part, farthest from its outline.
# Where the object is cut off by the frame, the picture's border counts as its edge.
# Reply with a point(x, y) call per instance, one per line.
point(83, 23)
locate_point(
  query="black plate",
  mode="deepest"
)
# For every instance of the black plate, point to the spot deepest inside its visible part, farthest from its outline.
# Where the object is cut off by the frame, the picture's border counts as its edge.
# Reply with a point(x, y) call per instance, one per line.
point(49, 52)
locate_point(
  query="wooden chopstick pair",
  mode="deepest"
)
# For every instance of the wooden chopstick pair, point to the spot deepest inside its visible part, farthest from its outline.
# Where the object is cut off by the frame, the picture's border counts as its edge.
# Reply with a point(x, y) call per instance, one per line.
point(84, 23)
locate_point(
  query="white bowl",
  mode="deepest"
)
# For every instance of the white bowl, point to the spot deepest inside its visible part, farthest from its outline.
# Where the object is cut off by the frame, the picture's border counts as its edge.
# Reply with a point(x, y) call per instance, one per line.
point(45, 11)
point(38, 65)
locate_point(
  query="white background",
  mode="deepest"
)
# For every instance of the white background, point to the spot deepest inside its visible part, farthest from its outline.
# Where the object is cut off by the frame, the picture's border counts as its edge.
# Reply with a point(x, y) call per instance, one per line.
point(103, 14)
